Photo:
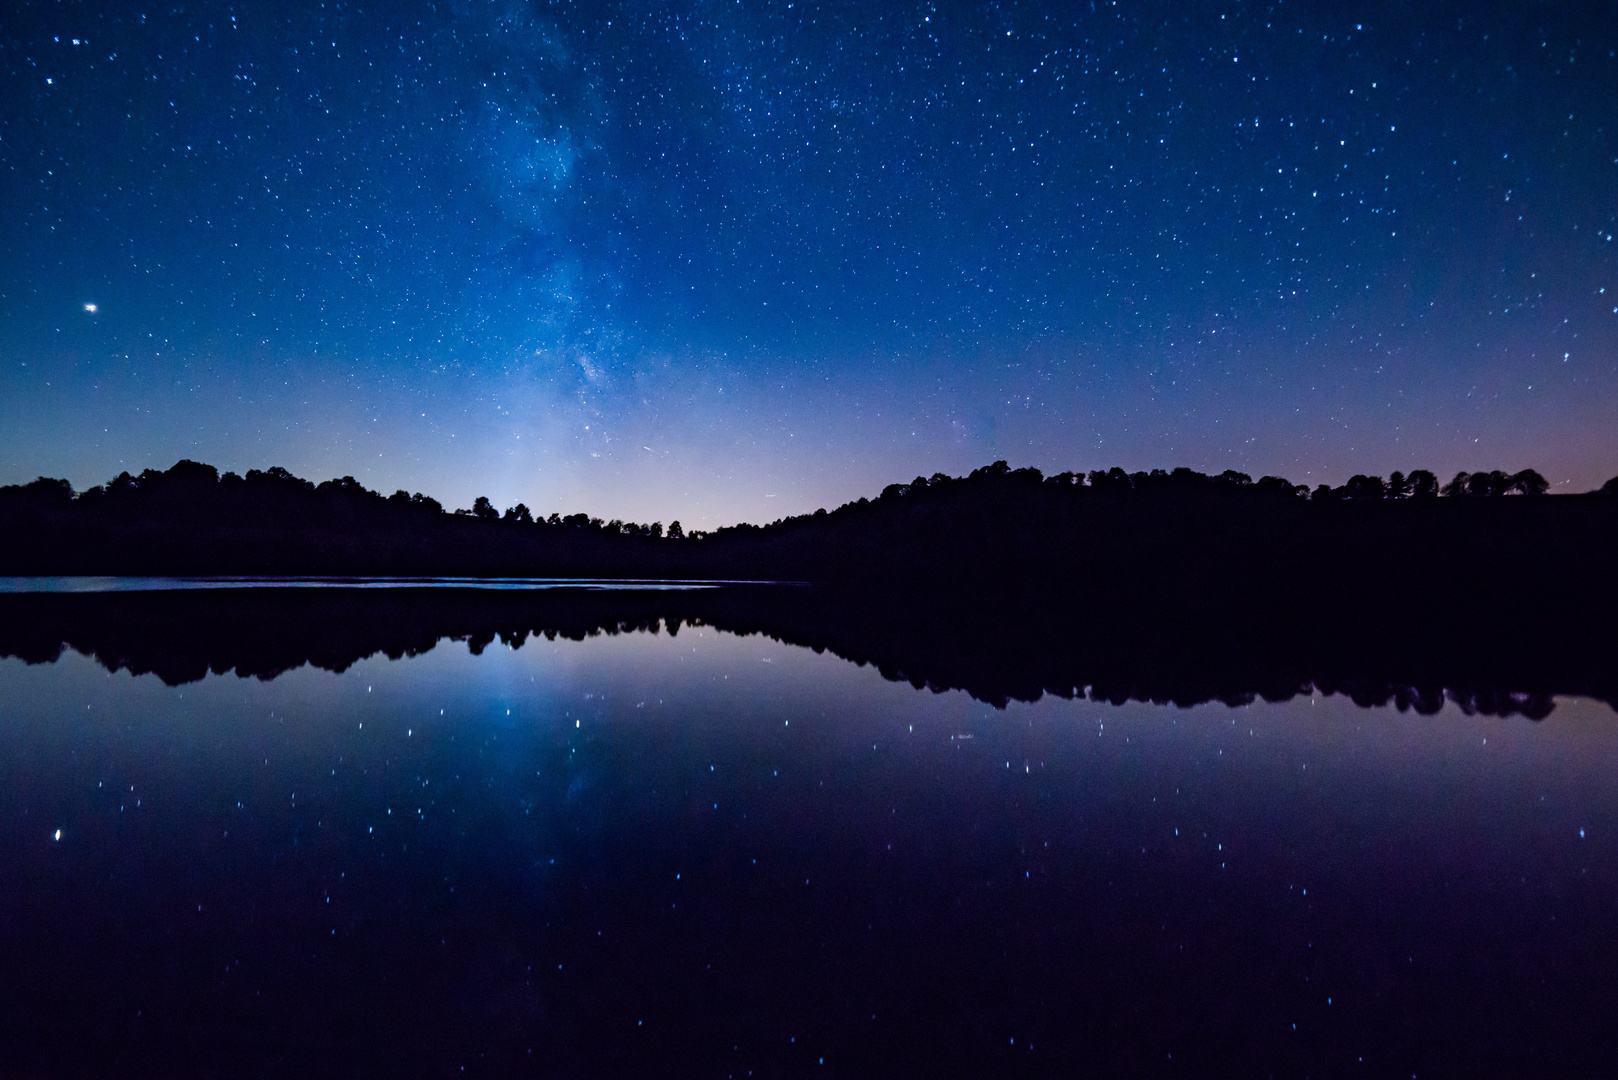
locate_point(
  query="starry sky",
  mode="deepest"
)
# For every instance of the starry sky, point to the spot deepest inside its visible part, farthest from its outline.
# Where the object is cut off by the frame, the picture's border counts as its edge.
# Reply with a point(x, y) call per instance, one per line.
point(724, 260)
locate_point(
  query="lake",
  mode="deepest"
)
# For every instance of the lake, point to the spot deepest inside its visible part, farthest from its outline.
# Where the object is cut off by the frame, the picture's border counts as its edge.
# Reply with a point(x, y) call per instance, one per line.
point(617, 850)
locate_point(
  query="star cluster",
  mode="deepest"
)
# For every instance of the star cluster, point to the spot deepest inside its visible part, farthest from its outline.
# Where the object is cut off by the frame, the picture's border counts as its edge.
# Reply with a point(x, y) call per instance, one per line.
point(729, 260)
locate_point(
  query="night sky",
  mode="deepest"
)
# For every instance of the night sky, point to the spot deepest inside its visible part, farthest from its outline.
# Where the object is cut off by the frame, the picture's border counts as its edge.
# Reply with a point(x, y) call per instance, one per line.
point(725, 261)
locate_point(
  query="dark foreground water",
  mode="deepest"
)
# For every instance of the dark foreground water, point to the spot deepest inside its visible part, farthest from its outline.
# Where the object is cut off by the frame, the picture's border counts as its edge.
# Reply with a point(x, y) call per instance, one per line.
point(711, 855)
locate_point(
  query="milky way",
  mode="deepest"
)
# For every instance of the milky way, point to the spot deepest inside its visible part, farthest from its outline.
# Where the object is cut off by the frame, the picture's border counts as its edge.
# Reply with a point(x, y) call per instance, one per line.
point(725, 261)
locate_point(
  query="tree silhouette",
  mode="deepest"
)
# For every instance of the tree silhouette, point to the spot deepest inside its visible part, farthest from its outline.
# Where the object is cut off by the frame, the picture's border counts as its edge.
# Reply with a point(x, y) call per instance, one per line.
point(1423, 484)
point(1529, 482)
point(995, 526)
point(1281, 487)
point(1361, 486)
point(1488, 484)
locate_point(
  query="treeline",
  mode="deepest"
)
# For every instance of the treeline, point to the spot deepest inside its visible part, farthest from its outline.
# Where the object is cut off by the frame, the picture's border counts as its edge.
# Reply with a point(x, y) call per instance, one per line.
point(1180, 537)
point(190, 520)
point(1183, 482)
point(198, 493)
point(1162, 536)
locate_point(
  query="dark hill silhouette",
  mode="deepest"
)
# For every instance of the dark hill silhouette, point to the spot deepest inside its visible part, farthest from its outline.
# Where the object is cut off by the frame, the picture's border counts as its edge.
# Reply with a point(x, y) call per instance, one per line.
point(1166, 586)
point(190, 520)
point(997, 523)
point(1162, 546)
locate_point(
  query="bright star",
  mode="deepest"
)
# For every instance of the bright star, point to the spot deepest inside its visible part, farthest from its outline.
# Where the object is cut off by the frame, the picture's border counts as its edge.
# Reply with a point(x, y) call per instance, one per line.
point(91, 308)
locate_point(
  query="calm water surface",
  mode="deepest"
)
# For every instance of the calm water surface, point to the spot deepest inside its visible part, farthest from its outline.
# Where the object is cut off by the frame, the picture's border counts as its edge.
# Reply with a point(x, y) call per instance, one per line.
point(703, 854)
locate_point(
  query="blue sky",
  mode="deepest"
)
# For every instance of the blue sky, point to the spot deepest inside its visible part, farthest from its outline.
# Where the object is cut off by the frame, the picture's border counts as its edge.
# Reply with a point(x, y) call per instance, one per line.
point(727, 261)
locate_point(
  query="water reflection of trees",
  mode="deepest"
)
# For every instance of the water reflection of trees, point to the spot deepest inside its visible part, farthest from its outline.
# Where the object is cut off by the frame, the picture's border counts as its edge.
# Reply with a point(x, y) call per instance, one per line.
point(996, 651)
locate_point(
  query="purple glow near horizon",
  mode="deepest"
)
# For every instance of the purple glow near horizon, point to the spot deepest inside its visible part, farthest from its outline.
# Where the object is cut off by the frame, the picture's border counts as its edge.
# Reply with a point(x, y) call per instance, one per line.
point(732, 262)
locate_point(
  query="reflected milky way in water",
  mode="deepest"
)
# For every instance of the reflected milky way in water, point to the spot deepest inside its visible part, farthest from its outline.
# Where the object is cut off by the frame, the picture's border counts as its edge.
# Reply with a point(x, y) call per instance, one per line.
point(643, 853)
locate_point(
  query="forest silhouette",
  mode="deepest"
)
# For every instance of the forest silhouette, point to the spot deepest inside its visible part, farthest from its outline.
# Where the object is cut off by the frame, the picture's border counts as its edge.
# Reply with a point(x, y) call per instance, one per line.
point(1489, 546)
point(1112, 532)
point(1143, 554)
point(1161, 586)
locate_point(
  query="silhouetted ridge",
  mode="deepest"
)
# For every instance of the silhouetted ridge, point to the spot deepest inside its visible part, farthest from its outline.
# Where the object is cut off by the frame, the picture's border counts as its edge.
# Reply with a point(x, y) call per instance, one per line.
point(1490, 542)
point(190, 520)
